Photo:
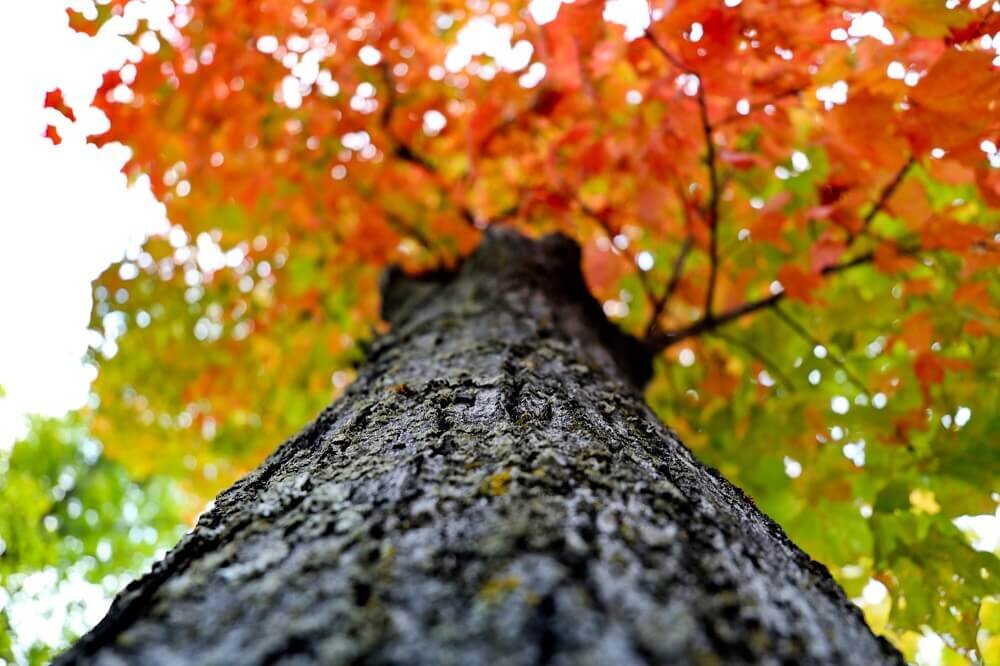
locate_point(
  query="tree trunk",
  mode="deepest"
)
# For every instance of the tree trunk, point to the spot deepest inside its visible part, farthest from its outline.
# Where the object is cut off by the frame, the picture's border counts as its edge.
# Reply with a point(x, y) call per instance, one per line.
point(491, 490)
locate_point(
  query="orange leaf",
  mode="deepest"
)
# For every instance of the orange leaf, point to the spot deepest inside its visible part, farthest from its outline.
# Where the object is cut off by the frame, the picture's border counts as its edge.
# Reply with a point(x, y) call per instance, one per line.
point(863, 129)
point(889, 260)
point(943, 233)
point(972, 293)
point(975, 328)
point(956, 101)
point(562, 57)
point(961, 84)
point(53, 134)
point(918, 332)
point(951, 172)
point(54, 100)
point(799, 284)
point(930, 369)
point(919, 287)
point(482, 122)
point(910, 202)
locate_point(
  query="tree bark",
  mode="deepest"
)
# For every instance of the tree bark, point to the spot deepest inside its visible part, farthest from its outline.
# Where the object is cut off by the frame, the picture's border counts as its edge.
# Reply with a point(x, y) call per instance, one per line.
point(491, 490)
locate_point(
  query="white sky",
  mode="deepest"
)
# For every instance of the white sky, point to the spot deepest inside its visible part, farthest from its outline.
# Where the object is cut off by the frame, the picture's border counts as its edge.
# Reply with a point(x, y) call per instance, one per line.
point(66, 211)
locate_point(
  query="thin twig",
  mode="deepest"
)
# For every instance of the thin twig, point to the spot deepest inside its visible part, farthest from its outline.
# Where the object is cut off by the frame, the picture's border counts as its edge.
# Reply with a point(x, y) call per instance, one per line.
point(404, 152)
point(714, 188)
point(675, 279)
point(757, 106)
point(713, 201)
point(665, 339)
point(610, 232)
point(886, 194)
point(760, 356)
point(834, 358)
point(671, 58)
point(408, 229)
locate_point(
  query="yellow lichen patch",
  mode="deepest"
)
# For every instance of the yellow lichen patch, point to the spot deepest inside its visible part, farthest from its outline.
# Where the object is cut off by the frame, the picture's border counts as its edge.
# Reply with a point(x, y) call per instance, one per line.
point(496, 589)
point(497, 484)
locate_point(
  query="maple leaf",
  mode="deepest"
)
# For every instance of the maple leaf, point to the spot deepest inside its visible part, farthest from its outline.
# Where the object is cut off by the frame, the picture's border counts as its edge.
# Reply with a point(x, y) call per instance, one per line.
point(799, 284)
point(54, 100)
point(956, 101)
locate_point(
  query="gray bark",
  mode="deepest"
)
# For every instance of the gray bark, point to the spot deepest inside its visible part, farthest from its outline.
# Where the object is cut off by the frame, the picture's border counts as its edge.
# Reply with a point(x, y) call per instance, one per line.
point(491, 490)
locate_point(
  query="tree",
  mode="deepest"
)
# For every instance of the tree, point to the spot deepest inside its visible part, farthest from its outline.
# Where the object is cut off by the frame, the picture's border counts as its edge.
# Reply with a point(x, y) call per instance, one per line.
point(792, 205)
point(492, 489)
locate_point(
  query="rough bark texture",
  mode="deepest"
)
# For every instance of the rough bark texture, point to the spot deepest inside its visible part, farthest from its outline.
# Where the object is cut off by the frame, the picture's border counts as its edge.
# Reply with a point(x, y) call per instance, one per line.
point(491, 490)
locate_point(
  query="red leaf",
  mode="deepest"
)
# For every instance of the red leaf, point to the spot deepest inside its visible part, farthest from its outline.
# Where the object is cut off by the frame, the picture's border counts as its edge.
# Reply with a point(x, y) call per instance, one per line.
point(976, 328)
point(484, 119)
point(562, 55)
point(928, 370)
point(918, 332)
point(738, 160)
point(826, 252)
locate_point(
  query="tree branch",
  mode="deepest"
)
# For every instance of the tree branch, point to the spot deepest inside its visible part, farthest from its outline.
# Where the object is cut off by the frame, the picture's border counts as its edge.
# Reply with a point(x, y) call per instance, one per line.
point(404, 152)
point(408, 229)
point(670, 57)
point(664, 339)
point(711, 164)
point(886, 194)
point(758, 106)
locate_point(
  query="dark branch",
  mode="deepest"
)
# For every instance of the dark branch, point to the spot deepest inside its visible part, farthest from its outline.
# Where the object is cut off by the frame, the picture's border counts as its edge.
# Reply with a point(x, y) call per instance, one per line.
point(408, 229)
point(670, 57)
point(664, 339)
point(713, 200)
point(886, 194)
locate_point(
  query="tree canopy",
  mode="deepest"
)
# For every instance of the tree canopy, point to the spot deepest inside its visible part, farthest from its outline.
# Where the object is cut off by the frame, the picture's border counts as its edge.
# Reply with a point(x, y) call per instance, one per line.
point(794, 203)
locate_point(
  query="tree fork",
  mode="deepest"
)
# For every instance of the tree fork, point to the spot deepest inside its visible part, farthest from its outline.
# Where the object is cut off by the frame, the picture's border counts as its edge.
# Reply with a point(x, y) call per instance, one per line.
point(491, 489)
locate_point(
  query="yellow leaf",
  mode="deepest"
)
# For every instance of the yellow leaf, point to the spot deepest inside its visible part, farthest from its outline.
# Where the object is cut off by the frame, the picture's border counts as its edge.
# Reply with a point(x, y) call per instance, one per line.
point(923, 501)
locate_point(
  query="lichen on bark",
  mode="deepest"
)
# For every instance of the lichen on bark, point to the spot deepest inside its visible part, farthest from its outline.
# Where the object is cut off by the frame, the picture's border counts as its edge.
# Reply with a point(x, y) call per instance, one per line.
point(492, 489)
